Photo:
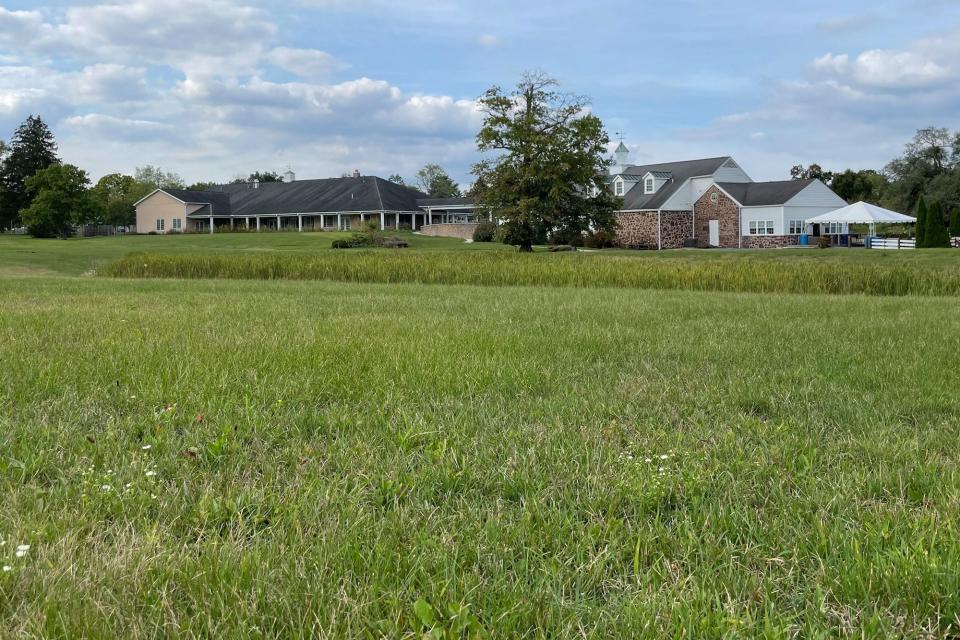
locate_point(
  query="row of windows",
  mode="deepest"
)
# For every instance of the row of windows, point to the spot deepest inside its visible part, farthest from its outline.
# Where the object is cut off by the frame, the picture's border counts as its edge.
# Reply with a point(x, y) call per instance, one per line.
point(797, 227)
point(831, 228)
point(761, 227)
point(649, 186)
point(177, 224)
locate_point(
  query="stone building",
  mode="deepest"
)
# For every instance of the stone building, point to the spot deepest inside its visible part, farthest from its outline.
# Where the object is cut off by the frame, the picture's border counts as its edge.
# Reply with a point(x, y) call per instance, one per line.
point(712, 202)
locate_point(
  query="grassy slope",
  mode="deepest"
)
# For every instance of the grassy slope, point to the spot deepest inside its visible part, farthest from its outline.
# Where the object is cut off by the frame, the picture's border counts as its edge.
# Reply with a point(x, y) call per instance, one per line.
point(21, 255)
point(366, 446)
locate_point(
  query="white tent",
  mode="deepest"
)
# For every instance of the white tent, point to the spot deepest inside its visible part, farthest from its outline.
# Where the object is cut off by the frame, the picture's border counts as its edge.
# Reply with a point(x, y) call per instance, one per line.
point(861, 213)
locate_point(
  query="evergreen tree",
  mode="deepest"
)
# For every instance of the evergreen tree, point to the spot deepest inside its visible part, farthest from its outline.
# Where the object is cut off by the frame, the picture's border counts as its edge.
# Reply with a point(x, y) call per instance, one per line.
point(32, 149)
point(921, 224)
point(935, 236)
point(955, 223)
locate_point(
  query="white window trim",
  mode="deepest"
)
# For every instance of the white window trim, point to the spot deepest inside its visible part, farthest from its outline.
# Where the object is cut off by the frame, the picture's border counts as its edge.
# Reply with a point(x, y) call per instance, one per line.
point(618, 187)
point(177, 224)
point(761, 228)
point(649, 185)
point(161, 223)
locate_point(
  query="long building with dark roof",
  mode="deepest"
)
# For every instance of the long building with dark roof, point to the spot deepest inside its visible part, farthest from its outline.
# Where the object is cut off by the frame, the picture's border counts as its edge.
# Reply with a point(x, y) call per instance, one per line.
point(304, 205)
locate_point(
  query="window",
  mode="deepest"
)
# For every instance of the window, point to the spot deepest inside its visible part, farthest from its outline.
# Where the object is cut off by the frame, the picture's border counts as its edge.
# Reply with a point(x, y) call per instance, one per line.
point(761, 227)
point(618, 187)
point(160, 224)
point(832, 228)
point(176, 224)
point(345, 223)
point(649, 185)
point(797, 227)
point(714, 197)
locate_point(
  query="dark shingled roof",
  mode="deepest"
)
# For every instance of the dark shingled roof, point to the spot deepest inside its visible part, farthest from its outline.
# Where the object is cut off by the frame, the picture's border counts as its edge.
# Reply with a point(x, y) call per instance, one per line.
point(758, 194)
point(219, 202)
point(445, 202)
point(331, 195)
point(636, 199)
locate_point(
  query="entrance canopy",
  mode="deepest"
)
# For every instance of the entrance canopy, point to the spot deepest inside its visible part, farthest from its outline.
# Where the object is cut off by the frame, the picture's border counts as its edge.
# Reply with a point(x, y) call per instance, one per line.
point(861, 213)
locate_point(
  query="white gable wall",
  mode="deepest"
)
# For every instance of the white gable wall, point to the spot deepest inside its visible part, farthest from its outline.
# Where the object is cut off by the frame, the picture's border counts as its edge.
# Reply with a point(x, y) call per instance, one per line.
point(817, 194)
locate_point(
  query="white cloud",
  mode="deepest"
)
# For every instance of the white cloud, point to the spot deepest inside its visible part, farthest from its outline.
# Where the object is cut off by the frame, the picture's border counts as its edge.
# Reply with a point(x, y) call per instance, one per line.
point(489, 40)
point(306, 63)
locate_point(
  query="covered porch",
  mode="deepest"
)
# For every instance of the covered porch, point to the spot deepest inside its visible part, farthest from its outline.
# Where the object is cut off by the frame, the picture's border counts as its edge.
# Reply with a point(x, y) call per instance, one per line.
point(204, 221)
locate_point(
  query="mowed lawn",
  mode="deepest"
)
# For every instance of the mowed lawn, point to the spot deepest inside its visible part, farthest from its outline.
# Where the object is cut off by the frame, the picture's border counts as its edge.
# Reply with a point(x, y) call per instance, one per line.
point(307, 459)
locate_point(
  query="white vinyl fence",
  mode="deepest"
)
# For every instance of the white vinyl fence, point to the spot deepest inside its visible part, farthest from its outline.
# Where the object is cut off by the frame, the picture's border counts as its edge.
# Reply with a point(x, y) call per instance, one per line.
point(892, 243)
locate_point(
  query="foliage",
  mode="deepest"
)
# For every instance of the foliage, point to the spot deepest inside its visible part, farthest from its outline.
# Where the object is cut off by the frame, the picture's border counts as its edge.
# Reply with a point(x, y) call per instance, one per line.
point(259, 176)
point(484, 231)
point(434, 181)
point(859, 186)
point(202, 186)
point(600, 239)
point(369, 235)
point(921, 224)
point(117, 194)
point(550, 160)
point(935, 231)
point(823, 242)
point(32, 149)
point(955, 222)
point(813, 172)
point(60, 199)
point(397, 179)
point(927, 157)
point(158, 178)
point(791, 273)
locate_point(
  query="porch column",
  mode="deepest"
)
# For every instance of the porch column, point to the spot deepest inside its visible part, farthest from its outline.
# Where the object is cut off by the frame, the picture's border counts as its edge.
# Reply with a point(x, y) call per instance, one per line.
point(278, 223)
point(258, 223)
point(339, 223)
point(413, 221)
point(299, 223)
point(246, 222)
point(211, 224)
point(383, 220)
point(231, 224)
point(429, 216)
point(396, 220)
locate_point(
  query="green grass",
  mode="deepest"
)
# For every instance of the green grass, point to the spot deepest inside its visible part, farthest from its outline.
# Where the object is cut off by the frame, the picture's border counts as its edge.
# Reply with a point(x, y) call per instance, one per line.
point(372, 456)
point(556, 270)
point(22, 255)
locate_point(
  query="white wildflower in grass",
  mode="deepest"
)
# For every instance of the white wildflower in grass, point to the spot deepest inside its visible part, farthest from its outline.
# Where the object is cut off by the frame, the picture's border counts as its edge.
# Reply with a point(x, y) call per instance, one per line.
point(664, 456)
point(647, 460)
point(22, 550)
point(146, 447)
point(105, 487)
point(150, 473)
point(7, 567)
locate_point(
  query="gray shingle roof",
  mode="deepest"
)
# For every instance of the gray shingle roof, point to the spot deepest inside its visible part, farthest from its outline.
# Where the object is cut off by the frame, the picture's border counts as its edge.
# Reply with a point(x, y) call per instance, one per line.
point(636, 199)
point(331, 195)
point(758, 194)
point(219, 202)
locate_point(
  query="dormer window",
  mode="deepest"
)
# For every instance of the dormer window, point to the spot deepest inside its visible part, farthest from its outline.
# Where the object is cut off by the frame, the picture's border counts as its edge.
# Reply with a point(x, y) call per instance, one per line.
point(618, 187)
point(649, 185)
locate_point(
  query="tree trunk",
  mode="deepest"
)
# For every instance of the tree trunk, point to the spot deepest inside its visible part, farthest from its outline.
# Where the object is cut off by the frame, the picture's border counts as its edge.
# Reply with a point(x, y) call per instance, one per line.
point(526, 248)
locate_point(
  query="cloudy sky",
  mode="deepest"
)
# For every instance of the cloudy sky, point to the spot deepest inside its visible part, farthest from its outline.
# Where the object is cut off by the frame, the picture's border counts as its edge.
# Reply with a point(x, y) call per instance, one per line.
point(215, 88)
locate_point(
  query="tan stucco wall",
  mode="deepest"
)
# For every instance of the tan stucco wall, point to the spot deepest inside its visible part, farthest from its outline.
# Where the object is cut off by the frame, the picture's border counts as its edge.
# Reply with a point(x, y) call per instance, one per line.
point(463, 230)
point(162, 205)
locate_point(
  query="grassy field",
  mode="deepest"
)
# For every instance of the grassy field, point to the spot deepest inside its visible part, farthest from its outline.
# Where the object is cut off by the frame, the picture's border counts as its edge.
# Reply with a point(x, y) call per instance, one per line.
point(229, 458)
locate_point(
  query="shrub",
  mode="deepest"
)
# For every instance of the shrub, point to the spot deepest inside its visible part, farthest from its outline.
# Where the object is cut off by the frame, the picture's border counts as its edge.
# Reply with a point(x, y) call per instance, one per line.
point(600, 239)
point(485, 232)
point(921, 223)
point(562, 237)
point(935, 234)
point(955, 223)
point(823, 242)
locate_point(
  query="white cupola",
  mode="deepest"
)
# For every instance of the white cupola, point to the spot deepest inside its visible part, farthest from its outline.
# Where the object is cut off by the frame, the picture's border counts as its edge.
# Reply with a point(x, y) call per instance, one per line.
point(621, 159)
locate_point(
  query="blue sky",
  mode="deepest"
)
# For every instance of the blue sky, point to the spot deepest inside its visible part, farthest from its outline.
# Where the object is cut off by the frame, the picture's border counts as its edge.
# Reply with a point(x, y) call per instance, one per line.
point(218, 88)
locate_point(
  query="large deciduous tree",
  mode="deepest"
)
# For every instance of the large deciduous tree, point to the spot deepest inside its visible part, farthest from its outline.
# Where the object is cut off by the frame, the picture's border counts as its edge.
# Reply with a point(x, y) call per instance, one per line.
point(859, 186)
point(921, 224)
point(60, 198)
point(813, 172)
point(32, 149)
point(158, 178)
point(436, 183)
point(548, 172)
point(117, 194)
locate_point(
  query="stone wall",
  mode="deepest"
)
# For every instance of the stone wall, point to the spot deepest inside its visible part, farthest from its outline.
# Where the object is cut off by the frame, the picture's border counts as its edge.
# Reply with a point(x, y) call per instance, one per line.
point(676, 227)
point(637, 230)
point(463, 230)
point(773, 242)
point(725, 210)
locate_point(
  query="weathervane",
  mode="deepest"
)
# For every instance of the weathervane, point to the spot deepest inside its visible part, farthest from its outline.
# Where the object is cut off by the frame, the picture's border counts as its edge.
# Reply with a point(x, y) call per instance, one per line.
point(619, 135)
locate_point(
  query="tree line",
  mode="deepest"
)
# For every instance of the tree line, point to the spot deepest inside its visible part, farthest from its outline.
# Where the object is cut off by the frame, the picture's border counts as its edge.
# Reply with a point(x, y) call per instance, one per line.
point(924, 180)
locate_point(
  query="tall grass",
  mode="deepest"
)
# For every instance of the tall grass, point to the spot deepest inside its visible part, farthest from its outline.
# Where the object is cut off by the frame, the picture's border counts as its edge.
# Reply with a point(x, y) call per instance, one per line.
point(500, 269)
